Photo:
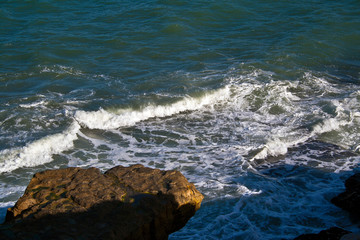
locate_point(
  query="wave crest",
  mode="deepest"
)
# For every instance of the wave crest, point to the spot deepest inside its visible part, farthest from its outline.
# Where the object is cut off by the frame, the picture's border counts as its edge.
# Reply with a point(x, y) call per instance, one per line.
point(103, 119)
point(40, 151)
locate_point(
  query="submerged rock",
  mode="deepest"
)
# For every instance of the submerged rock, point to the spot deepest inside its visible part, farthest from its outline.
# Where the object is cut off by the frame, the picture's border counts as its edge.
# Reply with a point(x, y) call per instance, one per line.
point(123, 203)
point(350, 199)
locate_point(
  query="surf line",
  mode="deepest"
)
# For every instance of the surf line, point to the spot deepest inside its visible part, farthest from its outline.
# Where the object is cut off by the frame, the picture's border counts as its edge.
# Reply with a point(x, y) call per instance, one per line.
point(41, 151)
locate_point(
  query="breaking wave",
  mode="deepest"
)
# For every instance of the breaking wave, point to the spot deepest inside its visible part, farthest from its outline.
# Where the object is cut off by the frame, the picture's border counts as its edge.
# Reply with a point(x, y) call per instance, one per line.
point(103, 119)
point(41, 151)
point(38, 152)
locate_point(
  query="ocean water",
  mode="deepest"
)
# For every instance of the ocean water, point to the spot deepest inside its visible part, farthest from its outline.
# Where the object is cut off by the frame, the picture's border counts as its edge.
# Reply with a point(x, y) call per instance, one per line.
point(255, 102)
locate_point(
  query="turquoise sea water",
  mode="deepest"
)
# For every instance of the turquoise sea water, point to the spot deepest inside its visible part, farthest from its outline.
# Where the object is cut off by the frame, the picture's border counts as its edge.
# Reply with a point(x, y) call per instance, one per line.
point(255, 102)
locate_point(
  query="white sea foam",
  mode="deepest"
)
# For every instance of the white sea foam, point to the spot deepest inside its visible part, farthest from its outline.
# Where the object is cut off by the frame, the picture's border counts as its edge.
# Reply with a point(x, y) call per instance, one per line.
point(278, 147)
point(60, 69)
point(285, 207)
point(103, 119)
point(31, 105)
point(6, 204)
point(328, 125)
point(243, 190)
point(247, 109)
point(211, 140)
point(305, 101)
point(41, 151)
point(38, 152)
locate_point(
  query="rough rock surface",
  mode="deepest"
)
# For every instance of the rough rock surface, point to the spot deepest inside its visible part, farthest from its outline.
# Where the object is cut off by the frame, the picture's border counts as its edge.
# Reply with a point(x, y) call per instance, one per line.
point(333, 233)
point(124, 203)
point(350, 199)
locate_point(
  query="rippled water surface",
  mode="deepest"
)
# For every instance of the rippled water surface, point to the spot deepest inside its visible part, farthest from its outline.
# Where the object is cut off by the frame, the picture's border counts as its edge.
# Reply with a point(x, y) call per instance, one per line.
point(255, 102)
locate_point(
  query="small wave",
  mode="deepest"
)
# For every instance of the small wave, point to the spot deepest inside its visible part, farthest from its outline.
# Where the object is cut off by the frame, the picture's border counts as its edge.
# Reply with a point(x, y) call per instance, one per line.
point(278, 147)
point(103, 119)
point(32, 105)
point(41, 151)
point(60, 69)
point(247, 192)
point(38, 152)
point(296, 106)
point(328, 125)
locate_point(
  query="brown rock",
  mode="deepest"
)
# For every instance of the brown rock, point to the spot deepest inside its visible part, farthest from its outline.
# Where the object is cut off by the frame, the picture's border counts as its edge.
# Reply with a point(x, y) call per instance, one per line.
point(124, 203)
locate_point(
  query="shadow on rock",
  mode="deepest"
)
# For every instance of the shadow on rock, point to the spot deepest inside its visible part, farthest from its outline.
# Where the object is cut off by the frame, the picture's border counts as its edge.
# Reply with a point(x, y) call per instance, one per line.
point(124, 203)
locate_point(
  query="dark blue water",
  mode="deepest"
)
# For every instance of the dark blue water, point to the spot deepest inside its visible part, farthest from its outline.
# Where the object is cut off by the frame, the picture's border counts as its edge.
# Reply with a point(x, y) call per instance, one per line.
point(255, 102)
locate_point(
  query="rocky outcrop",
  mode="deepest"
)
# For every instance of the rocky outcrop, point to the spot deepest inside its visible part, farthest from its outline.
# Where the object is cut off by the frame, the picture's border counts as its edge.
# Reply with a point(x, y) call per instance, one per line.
point(123, 203)
point(350, 199)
